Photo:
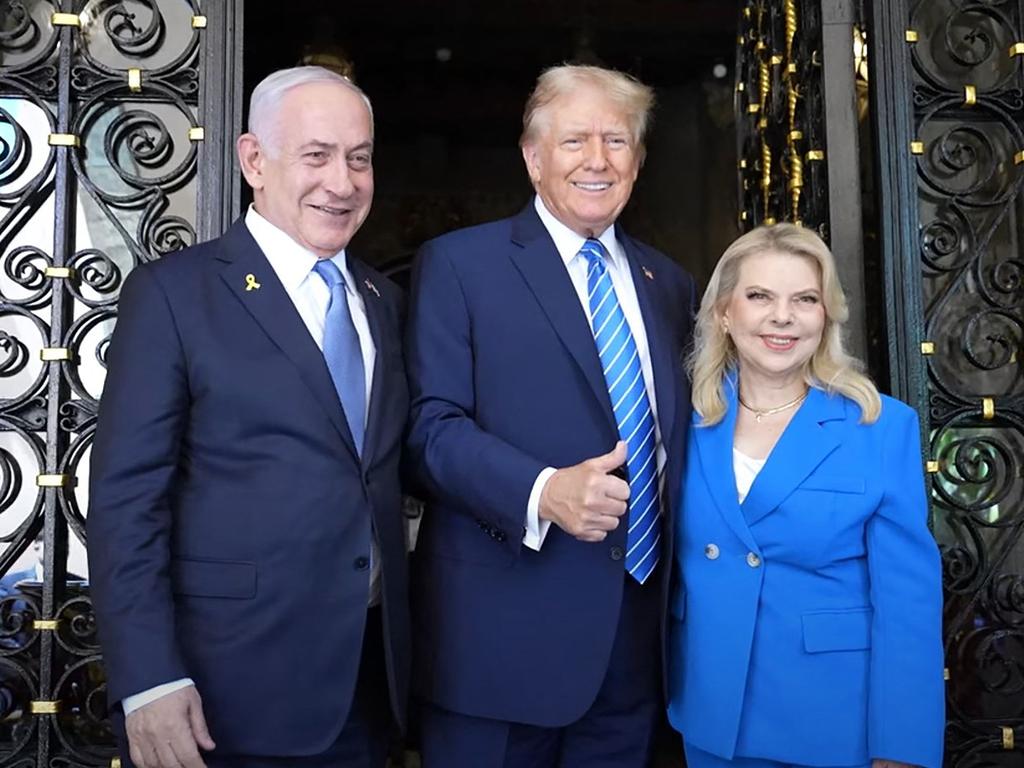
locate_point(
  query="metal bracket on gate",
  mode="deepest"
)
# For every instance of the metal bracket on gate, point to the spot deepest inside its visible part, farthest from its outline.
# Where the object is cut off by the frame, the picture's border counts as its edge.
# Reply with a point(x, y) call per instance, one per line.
point(46, 625)
point(45, 707)
point(60, 273)
point(65, 20)
point(63, 140)
point(198, 22)
point(56, 481)
point(52, 354)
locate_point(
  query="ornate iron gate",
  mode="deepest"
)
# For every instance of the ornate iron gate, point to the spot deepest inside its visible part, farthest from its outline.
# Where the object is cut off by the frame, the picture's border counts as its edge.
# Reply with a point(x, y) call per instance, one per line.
point(116, 118)
point(950, 167)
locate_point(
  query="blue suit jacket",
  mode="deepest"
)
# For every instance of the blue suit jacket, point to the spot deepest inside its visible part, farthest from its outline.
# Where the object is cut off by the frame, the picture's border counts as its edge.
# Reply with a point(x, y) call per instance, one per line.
point(506, 380)
point(827, 650)
point(230, 515)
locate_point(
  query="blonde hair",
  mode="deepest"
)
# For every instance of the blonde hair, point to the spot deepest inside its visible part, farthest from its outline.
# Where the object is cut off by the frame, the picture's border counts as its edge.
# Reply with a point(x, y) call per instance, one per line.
point(830, 368)
point(635, 98)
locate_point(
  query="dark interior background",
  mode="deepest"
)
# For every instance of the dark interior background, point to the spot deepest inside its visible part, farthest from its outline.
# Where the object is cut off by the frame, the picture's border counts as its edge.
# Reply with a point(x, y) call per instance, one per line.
point(448, 81)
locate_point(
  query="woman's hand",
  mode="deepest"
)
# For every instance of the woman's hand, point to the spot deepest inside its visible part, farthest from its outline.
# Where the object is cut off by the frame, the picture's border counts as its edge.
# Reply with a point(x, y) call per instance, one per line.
point(890, 764)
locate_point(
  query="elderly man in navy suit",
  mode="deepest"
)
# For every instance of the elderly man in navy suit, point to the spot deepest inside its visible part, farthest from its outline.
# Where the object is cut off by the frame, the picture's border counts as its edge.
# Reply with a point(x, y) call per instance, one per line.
point(548, 416)
point(245, 533)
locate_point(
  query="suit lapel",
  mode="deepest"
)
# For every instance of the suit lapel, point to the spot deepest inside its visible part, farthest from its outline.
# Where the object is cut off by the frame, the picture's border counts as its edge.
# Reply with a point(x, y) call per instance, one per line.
point(378, 396)
point(662, 364)
point(273, 311)
point(542, 268)
point(800, 449)
point(714, 446)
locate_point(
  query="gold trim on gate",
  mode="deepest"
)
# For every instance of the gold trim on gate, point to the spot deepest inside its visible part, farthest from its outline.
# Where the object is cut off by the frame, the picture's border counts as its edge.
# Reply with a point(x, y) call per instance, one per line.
point(63, 140)
point(911, 36)
point(754, 108)
point(988, 408)
point(198, 22)
point(740, 87)
point(777, 59)
point(1018, 158)
point(45, 707)
point(970, 95)
point(1007, 737)
point(742, 164)
point(770, 221)
point(815, 154)
point(927, 347)
point(65, 20)
point(945, 673)
point(917, 147)
point(59, 273)
point(1017, 49)
point(743, 215)
point(796, 135)
point(55, 481)
point(54, 354)
point(196, 134)
point(791, 68)
point(134, 79)
point(115, 762)
point(931, 467)
point(45, 625)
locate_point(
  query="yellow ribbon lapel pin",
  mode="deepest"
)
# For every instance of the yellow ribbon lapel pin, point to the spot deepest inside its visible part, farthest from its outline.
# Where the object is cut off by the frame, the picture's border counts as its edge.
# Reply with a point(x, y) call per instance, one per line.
point(647, 273)
point(250, 282)
point(371, 287)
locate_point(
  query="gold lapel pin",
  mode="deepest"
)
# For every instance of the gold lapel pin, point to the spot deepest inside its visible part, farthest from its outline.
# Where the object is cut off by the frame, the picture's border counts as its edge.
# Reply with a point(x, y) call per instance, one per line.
point(371, 287)
point(250, 282)
point(647, 273)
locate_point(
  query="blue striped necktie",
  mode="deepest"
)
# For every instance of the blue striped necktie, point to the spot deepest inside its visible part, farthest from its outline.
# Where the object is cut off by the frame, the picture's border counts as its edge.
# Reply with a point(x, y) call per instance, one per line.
point(342, 352)
point(624, 377)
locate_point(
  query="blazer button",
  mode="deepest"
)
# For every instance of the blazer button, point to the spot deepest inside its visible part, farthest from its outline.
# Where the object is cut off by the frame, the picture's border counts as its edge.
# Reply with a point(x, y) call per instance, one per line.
point(616, 553)
point(711, 551)
point(361, 563)
point(753, 560)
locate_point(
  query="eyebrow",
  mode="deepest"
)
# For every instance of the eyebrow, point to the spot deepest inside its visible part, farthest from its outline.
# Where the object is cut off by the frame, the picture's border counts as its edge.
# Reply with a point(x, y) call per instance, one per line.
point(756, 287)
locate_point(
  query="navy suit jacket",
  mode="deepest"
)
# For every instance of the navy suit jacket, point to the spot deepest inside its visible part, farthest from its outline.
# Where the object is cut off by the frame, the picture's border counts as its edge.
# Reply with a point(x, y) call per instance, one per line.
point(810, 633)
point(230, 516)
point(505, 381)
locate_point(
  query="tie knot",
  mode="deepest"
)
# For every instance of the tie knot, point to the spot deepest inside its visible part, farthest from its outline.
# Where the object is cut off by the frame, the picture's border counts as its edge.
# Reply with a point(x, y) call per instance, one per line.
point(330, 273)
point(593, 251)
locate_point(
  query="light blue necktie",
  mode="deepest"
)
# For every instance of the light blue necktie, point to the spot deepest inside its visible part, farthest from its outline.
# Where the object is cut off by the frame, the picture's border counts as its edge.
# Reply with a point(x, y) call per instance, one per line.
point(342, 351)
point(625, 379)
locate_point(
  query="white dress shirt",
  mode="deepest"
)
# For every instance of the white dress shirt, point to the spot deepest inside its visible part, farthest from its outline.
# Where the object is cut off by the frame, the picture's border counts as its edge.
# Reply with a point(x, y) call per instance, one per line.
point(293, 266)
point(568, 244)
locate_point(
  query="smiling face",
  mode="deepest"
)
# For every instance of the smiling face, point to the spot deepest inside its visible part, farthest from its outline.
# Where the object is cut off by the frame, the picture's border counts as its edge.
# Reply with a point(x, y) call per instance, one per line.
point(775, 316)
point(584, 160)
point(313, 177)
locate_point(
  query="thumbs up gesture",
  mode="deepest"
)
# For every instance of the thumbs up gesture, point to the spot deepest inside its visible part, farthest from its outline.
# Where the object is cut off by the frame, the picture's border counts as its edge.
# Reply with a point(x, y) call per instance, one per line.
point(586, 500)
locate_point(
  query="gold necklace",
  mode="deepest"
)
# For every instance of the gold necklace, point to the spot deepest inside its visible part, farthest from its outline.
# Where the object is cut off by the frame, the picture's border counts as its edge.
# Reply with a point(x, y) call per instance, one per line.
point(758, 414)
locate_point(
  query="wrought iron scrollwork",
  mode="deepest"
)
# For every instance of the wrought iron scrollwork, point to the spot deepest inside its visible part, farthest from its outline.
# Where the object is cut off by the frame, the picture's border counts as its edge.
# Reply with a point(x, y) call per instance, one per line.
point(780, 110)
point(99, 163)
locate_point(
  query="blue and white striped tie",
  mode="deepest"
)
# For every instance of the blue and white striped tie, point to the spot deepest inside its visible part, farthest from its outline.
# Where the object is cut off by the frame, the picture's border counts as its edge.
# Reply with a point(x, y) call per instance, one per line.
point(624, 377)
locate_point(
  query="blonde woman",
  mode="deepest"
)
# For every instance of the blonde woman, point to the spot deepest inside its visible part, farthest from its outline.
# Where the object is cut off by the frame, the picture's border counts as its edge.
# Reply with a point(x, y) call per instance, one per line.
point(806, 619)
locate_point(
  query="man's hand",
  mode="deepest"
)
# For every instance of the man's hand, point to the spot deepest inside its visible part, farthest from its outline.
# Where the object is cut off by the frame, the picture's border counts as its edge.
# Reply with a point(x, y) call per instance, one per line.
point(584, 500)
point(168, 732)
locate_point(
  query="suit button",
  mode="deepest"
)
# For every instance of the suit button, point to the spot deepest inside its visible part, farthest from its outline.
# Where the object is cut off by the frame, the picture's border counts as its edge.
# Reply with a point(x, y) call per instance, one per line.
point(753, 560)
point(616, 553)
point(498, 535)
point(711, 551)
point(361, 563)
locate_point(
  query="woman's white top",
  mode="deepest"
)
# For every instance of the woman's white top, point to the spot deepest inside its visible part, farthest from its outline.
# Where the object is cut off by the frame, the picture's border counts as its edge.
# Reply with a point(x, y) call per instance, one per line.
point(745, 469)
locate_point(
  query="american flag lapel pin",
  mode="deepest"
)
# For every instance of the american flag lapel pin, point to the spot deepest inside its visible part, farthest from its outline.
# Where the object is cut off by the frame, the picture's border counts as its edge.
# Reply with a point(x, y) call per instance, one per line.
point(647, 273)
point(371, 287)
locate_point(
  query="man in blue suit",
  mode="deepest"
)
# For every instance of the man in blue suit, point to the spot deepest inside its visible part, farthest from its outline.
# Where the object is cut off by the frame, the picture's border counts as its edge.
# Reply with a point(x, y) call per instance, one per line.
point(246, 544)
point(548, 420)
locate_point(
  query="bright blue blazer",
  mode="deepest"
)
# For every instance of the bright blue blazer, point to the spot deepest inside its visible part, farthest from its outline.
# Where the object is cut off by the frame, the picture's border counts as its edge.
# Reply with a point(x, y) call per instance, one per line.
point(807, 621)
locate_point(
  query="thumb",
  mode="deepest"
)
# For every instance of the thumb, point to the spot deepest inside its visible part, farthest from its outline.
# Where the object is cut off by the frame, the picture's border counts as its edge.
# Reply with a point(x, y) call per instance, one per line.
point(613, 459)
point(199, 729)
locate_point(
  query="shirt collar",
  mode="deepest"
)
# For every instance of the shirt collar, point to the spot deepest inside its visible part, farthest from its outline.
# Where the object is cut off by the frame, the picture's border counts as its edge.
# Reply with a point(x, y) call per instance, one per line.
point(290, 261)
point(568, 242)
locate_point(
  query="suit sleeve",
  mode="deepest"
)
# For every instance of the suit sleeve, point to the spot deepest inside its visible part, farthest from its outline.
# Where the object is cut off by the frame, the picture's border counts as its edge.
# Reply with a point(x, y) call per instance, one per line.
point(142, 417)
point(906, 698)
point(459, 464)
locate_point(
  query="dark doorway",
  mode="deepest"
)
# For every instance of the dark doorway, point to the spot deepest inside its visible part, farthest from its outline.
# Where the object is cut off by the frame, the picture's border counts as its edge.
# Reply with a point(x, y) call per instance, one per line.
point(448, 81)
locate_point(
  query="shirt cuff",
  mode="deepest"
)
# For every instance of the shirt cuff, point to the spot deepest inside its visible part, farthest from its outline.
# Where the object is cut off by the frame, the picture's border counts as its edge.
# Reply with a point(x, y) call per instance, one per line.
point(130, 703)
point(536, 529)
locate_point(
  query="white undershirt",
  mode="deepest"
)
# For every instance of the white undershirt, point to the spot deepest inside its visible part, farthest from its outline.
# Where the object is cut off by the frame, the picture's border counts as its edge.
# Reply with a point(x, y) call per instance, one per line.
point(745, 469)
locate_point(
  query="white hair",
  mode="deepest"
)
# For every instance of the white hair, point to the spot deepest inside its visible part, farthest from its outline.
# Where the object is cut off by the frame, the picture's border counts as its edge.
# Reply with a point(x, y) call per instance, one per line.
point(266, 97)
